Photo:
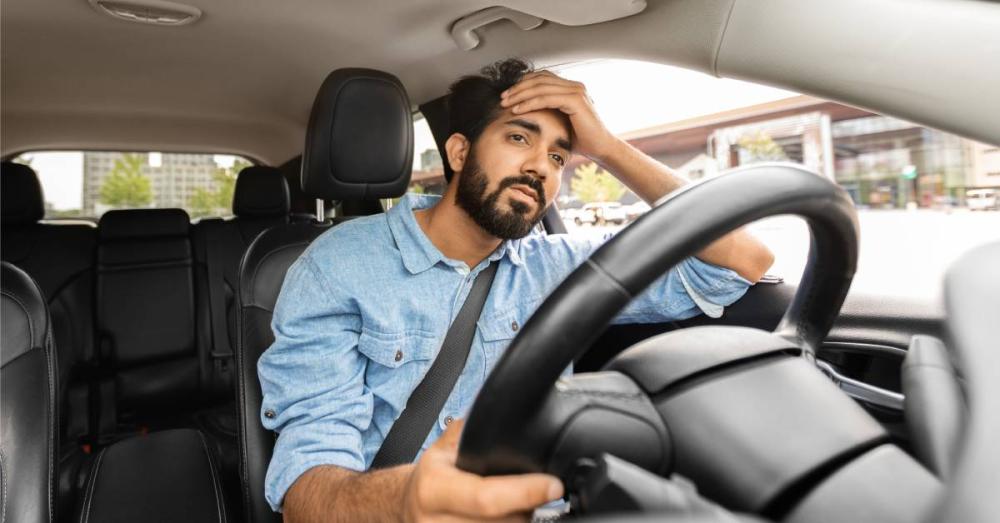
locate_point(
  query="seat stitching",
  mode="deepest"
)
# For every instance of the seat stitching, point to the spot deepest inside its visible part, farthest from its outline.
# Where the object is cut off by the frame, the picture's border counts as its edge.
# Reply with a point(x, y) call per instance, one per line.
point(215, 482)
point(88, 501)
point(50, 360)
point(241, 389)
point(3, 481)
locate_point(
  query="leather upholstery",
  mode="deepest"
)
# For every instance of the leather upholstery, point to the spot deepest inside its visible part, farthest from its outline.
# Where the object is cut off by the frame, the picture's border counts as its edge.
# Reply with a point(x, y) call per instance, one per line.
point(60, 257)
point(358, 146)
point(261, 192)
point(145, 313)
point(27, 401)
point(164, 476)
point(21, 194)
point(359, 142)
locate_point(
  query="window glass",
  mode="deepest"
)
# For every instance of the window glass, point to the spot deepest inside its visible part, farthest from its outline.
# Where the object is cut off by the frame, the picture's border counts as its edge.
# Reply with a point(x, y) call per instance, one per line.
point(428, 170)
point(923, 196)
point(86, 184)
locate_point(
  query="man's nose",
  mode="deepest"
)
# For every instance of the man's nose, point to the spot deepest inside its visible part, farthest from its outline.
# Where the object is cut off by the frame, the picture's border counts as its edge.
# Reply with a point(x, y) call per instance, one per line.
point(537, 165)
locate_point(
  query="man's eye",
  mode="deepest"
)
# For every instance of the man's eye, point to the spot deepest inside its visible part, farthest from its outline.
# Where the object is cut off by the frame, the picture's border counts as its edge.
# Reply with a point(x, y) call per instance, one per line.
point(559, 159)
point(519, 138)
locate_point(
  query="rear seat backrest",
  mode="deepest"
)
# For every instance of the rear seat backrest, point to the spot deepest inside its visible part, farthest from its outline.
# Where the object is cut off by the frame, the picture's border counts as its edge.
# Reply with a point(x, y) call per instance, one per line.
point(260, 201)
point(60, 258)
point(146, 311)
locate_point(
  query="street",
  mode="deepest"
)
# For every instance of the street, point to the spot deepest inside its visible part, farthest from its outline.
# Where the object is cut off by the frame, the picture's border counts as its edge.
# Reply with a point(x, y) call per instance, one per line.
point(903, 253)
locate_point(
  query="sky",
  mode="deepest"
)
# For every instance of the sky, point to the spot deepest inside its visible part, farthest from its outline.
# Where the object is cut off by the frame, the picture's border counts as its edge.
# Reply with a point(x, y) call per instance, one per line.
point(628, 96)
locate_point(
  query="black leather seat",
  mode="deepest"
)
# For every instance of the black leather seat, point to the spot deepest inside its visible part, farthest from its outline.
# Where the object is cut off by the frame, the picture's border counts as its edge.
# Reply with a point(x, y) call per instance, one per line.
point(167, 476)
point(359, 146)
point(146, 317)
point(60, 257)
point(27, 401)
point(260, 201)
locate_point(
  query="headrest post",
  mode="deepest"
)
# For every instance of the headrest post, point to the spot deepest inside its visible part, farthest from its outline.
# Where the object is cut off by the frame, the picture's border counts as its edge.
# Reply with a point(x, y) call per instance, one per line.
point(320, 210)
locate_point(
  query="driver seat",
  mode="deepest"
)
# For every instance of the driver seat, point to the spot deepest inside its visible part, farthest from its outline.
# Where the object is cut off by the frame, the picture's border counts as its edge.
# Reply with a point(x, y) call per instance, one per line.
point(359, 147)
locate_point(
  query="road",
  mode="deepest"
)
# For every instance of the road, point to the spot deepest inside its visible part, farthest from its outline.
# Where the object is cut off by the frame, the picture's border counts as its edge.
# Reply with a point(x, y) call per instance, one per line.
point(903, 253)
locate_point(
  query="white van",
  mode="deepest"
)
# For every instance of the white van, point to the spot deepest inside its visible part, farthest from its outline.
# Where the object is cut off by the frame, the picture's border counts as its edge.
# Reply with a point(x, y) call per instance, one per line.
point(983, 199)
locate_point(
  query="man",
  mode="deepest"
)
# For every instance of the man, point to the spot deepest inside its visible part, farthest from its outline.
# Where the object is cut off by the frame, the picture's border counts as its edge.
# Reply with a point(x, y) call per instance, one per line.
point(364, 310)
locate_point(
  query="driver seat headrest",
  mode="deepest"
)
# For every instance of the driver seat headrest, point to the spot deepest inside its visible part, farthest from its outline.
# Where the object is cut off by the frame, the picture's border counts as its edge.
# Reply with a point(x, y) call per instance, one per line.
point(359, 143)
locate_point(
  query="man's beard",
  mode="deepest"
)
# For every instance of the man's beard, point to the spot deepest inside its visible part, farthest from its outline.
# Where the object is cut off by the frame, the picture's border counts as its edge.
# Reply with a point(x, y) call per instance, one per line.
point(484, 208)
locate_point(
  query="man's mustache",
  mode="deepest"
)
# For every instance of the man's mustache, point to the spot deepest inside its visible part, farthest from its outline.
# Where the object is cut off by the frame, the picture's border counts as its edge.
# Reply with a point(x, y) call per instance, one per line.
point(528, 180)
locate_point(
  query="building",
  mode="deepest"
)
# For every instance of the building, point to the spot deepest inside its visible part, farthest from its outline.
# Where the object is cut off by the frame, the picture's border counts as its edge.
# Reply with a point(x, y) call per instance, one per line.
point(174, 178)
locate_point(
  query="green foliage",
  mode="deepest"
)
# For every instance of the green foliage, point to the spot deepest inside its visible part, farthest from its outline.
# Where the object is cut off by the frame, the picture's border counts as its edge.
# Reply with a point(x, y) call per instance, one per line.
point(593, 184)
point(760, 147)
point(126, 186)
point(219, 200)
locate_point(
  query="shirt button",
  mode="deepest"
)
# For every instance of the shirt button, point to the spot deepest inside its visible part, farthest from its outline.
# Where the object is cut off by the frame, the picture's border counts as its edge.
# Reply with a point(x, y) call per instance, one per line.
point(514, 326)
point(399, 355)
point(269, 414)
point(448, 420)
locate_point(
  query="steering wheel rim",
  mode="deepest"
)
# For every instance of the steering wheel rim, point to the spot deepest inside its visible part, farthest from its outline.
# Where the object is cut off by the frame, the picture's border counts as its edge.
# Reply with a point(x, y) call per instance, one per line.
point(571, 318)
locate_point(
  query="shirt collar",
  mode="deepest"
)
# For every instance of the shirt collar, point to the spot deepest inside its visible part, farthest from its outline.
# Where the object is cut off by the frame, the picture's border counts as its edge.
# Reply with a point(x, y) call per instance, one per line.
point(416, 249)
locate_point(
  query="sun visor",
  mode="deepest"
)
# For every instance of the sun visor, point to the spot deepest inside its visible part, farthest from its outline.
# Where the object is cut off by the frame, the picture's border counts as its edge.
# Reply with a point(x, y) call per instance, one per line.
point(359, 144)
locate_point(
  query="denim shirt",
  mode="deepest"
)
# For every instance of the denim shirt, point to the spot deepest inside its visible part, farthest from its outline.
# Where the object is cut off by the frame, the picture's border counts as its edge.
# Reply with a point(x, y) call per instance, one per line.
point(364, 310)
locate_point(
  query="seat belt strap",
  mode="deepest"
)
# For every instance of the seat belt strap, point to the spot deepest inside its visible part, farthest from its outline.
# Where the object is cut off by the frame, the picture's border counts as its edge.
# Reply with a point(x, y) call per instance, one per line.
point(408, 433)
point(222, 352)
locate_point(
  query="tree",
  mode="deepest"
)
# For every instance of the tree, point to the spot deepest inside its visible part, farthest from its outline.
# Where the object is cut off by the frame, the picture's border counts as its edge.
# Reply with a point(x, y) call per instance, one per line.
point(218, 200)
point(126, 186)
point(592, 184)
point(760, 147)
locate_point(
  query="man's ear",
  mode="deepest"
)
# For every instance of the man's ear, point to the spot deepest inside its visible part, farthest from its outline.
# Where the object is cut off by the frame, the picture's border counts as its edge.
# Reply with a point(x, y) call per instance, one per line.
point(457, 149)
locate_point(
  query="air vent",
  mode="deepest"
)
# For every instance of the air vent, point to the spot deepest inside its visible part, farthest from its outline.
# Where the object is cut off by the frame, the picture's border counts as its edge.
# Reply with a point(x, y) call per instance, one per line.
point(155, 12)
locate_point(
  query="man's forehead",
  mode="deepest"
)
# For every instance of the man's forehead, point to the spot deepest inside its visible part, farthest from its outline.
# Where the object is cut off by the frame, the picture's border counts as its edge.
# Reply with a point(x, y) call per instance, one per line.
point(548, 123)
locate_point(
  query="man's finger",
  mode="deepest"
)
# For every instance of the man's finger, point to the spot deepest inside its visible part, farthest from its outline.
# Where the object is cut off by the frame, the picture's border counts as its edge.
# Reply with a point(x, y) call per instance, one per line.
point(529, 82)
point(452, 435)
point(561, 102)
point(492, 497)
point(538, 90)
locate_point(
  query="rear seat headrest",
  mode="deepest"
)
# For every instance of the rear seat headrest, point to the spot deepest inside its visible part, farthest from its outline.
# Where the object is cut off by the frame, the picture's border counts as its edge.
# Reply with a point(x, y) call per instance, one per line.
point(21, 197)
point(261, 192)
point(359, 143)
point(143, 223)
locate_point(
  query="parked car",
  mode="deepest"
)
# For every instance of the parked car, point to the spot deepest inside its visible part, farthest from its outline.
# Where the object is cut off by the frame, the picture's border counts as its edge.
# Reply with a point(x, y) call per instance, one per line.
point(604, 213)
point(983, 199)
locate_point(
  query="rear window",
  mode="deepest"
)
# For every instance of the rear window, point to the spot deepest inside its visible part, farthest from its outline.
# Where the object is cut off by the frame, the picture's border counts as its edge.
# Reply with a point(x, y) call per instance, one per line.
point(86, 184)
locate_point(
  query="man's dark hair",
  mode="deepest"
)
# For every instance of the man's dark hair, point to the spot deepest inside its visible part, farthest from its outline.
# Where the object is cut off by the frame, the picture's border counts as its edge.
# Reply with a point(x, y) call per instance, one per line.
point(474, 101)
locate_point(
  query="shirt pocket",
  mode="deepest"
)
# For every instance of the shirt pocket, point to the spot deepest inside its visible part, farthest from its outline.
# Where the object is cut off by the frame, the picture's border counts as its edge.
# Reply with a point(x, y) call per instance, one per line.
point(397, 363)
point(500, 329)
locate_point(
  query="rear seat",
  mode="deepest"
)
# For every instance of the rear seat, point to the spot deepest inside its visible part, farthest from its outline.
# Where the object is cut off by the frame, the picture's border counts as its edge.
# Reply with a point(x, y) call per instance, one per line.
point(60, 258)
point(146, 317)
point(131, 306)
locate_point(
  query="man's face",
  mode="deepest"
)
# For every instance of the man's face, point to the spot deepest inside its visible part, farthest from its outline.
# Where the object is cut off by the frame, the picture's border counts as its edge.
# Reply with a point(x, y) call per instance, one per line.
point(513, 172)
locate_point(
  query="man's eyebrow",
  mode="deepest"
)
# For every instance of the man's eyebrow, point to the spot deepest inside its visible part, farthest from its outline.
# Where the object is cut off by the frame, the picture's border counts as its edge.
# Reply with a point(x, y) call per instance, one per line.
point(534, 127)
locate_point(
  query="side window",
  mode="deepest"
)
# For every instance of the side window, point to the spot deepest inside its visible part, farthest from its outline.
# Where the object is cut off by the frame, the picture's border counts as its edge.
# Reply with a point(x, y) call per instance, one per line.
point(86, 184)
point(428, 169)
point(923, 196)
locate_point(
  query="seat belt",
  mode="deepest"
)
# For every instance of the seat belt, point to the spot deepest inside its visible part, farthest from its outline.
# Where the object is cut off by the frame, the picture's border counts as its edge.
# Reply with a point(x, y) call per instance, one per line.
point(422, 409)
point(222, 353)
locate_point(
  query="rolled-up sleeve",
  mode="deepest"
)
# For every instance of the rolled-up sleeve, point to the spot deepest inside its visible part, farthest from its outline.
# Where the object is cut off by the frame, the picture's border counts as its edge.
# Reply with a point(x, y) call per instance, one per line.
point(312, 379)
point(691, 288)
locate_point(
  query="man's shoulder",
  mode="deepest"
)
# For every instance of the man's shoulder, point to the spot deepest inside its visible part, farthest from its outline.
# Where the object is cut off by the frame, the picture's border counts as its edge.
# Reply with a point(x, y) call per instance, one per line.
point(353, 243)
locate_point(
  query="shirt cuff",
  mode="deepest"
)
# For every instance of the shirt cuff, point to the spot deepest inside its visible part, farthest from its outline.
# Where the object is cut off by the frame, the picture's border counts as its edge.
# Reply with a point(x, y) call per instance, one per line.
point(711, 287)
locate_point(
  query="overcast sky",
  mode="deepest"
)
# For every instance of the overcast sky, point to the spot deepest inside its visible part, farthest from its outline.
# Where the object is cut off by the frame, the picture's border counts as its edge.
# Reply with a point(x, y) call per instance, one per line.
point(628, 96)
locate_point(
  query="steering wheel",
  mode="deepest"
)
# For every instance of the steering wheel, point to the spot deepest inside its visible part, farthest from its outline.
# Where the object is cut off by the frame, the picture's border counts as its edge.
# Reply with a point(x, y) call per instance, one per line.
point(707, 403)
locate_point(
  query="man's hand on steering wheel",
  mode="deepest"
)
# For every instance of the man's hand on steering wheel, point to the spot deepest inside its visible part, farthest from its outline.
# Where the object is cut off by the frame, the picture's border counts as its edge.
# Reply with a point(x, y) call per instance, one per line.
point(439, 491)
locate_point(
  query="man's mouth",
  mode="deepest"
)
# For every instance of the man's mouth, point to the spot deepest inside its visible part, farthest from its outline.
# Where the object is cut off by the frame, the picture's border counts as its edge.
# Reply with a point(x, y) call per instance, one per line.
point(525, 191)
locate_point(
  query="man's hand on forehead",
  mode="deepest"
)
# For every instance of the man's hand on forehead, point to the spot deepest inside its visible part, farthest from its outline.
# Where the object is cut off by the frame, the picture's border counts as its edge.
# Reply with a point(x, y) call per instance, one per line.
point(544, 90)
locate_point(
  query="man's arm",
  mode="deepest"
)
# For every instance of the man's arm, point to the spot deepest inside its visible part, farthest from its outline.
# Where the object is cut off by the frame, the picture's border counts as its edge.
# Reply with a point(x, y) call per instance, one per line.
point(433, 489)
point(648, 178)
